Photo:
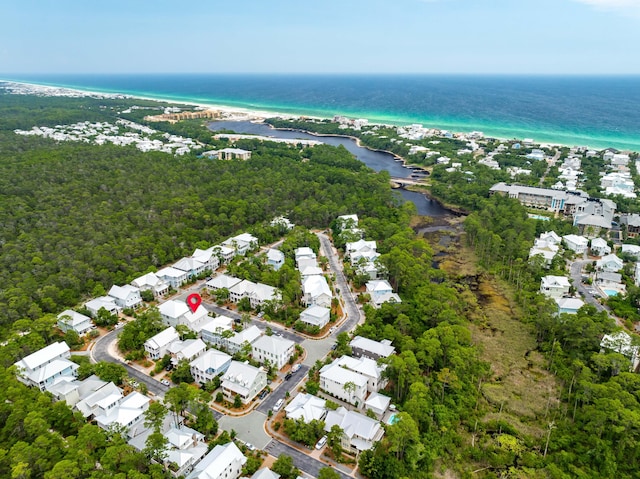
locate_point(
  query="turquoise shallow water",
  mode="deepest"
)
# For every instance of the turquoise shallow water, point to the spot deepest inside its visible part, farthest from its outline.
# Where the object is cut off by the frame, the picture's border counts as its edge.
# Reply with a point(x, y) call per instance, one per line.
point(595, 111)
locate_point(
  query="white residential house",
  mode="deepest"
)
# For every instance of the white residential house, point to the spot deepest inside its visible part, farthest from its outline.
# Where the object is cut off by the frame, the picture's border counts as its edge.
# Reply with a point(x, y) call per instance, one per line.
point(621, 342)
point(304, 252)
point(377, 403)
point(243, 380)
point(610, 264)
point(555, 286)
point(222, 281)
point(106, 302)
point(265, 473)
point(309, 270)
point(365, 367)
point(316, 315)
point(224, 252)
point(360, 246)
point(305, 263)
point(213, 331)
point(223, 462)
point(368, 348)
point(158, 346)
point(66, 389)
point(126, 296)
point(194, 320)
point(343, 384)
point(261, 293)
point(183, 450)
point(187, 350)
point(636, 274)
point(347, 221)
point(275, 258)
point(151, 282)
point(210, 257)
point(283, 222)
point(381, 292)
point(173, 312)
point(70, 320)
point(242, 244)
point(316, 291)
point(605, 279)
point(274, 349)
point(306, 407)
point(631, 249)
point(547, 248)
point(242, 289)
point(360, 432)
point(128, 414)
point(230, 154)
point(173, 277)
point(569, 305)
point(236, 342)
point(577, 244)
point(209, 365)
point(192, 266)
point(366, 264)
point(599, 247)
point(100, 402)
point(42, 368)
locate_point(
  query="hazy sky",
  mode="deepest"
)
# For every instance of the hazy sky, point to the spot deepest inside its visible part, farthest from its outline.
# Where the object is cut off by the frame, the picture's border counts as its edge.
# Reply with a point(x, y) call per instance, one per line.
point(329, 36)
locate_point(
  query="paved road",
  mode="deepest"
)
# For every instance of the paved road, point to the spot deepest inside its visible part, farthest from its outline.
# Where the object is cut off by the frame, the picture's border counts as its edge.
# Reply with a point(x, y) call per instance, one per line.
point(303, 462)
point(576, 276)
point(281, 391)
point(351, 308)
point(249, 428)
point(100, 352)
point(262, 325)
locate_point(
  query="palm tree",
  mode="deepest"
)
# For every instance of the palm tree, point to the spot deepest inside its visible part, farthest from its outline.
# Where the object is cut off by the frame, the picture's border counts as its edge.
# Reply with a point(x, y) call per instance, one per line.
point(349, 387)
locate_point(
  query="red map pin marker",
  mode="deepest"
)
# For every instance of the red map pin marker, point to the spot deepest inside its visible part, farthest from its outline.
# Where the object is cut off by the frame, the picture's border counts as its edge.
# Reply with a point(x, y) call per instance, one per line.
point(194, 300)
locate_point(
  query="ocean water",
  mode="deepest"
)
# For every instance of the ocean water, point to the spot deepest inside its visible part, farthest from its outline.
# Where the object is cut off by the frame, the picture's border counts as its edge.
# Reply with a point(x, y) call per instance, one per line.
point(599, 112)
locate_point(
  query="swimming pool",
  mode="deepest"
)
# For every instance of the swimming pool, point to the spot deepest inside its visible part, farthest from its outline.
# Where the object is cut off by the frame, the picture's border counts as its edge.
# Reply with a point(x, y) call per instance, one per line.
point(393, 419)
point(610, 292)
point(539, 217)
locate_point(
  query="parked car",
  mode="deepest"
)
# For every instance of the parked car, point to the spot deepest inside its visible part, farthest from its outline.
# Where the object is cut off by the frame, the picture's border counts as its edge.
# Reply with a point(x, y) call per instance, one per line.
point(295, 368)
point(278, 405)
point(263, 394)
point(250, 446)
point(320, 444)
point(165, 382)
point(288, 376)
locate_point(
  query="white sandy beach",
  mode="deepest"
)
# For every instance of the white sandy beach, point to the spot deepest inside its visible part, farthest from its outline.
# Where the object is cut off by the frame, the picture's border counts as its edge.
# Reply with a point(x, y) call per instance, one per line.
point(229, 113)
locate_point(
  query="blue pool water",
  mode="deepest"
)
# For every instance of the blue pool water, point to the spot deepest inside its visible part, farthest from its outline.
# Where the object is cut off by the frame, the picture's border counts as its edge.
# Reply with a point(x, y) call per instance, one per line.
point(610, 292)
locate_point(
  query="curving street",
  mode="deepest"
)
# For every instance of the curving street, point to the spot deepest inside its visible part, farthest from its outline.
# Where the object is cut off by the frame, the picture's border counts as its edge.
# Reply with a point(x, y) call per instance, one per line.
point(250, 427)
point(101, 352)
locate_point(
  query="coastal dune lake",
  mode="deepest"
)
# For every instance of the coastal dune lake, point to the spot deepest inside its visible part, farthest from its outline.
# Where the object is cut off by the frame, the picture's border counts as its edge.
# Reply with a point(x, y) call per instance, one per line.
point(376, 160)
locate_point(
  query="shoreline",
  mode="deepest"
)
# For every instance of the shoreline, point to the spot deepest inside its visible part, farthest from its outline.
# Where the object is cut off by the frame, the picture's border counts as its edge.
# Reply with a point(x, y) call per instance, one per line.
point(264, 114)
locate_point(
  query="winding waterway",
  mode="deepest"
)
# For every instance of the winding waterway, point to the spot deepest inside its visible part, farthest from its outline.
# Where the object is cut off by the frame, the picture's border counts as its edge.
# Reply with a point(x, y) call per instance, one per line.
point(376, 160)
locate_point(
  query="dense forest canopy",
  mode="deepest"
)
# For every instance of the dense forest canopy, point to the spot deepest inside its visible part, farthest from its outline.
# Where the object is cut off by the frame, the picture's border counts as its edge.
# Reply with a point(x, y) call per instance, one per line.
point(78, 216)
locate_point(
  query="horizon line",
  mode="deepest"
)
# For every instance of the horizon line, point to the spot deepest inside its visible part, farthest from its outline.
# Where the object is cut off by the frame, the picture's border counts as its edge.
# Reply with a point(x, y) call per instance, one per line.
point(248, 73)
